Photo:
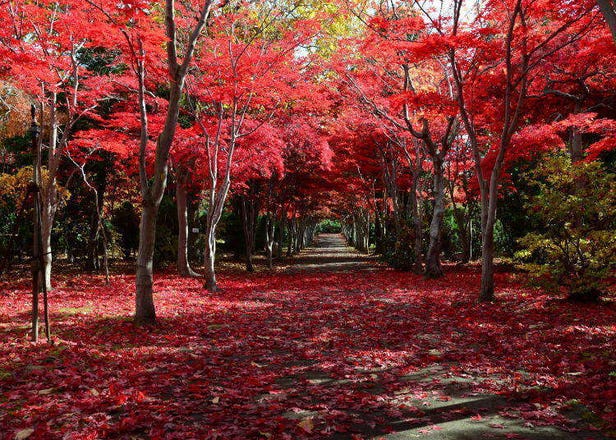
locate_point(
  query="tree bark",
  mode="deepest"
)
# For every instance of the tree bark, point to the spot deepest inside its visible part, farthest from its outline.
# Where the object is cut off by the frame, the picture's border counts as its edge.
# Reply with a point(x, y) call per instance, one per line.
point(291, 237)
point(486, 293)
point(144, 300)
point(47, 218)
point(462, 221)
point(608, 9)
point(281, 227)
point(217, 198)
point(181, 199)
point(210, 258)
point(433, 261)
point(269, 240)
point(418, 226)
point(576, 148)
point(37, 278)
point(49, 195)
point(248, 226)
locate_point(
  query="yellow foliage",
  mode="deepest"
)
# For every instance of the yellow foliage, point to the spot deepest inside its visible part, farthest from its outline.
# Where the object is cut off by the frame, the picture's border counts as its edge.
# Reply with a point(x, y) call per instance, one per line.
point(14, 187)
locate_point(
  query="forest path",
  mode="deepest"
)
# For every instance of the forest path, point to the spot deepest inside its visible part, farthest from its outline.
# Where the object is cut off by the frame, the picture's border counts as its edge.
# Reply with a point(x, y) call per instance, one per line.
point(333, 346)
point(447, 408)
point(330, 253)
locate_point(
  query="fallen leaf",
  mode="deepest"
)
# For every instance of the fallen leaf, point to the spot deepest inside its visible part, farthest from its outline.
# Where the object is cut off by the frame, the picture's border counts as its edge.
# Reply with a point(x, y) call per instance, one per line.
point(306, 424)
point(24, 434)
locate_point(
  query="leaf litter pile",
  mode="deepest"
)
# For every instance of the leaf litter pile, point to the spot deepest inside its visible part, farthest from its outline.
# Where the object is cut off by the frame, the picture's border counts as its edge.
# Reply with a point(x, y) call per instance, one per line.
point(304, 355)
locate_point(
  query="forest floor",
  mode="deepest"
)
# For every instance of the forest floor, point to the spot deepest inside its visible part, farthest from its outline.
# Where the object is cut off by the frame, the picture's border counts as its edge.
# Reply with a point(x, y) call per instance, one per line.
point(333, 345)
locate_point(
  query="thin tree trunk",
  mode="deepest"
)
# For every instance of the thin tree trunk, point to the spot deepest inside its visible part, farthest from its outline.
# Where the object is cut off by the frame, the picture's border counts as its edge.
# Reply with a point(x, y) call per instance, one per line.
point(301, 235)
point(50, 195)
point(418, 226)
point(181, 199)
point(46, 227)
point(144, 301)
point(281, 227)
point(464, 238)
point(269, 240)
point(576, 149)
point(379, 235)
point(248, 226)
point(37, 277)
point(217, 200)
point(291, 236)
point(433, 261)
point(210, 258)
point(92, 257)
point(462, 222)
point(486, 293)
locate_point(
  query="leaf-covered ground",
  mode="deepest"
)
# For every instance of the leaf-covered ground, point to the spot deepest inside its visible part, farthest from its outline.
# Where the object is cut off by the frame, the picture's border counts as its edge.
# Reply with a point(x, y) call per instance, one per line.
point(308, 354)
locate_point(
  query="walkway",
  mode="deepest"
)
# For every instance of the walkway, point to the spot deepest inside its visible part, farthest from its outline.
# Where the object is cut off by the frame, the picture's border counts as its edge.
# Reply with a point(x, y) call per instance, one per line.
point(334, 346)
point(447, 408)
point(331, 253)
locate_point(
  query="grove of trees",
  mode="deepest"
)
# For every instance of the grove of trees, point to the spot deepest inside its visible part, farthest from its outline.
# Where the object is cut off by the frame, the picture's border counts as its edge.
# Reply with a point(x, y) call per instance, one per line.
point(432, 131)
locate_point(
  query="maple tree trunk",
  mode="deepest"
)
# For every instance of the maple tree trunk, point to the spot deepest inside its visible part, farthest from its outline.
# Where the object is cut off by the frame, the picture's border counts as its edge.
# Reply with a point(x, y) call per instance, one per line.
point(297, 242)
point(210, 258)
point(269, 239)
point(418, 226)
point(181, 198)
point(361, 221)
point(248, 227)
point(298, 237)
point(608, 9)
point(486, 293)
point(488, 220)
point(463, 226)
point(92, 257)
point(291, 237)
point(210, 250)
point(464, 242)
point(575, 145)
point(36, 224)
point(217, 200)
point(302, 238)
point(433, 261)
point(47, 217)
point(281, 227)
point(144, 301)
point(98, 188)
point(310, 232)
point(49, 195)
point(378, 232)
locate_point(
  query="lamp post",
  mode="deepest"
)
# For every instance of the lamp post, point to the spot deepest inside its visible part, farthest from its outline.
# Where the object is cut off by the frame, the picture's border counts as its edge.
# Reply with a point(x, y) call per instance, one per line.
point(36, 223)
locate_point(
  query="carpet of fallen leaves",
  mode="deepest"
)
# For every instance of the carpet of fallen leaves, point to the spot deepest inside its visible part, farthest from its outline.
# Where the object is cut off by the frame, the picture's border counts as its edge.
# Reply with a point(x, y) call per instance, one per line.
point(303, 355)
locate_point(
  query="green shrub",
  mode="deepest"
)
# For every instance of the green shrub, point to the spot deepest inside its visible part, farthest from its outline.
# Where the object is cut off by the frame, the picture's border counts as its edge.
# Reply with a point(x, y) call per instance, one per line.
point(399, 250)
point(576, 204)
point(329, 226)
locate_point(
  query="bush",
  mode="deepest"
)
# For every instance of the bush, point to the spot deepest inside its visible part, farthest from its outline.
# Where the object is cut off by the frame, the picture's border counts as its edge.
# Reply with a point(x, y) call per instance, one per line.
point(576, 204)
point(399, 250)
point(329, 226)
